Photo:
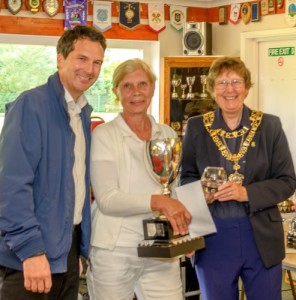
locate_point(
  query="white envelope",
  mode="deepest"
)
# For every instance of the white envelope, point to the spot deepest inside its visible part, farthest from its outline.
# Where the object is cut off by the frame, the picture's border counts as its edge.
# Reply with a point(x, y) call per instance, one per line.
point(192, 196)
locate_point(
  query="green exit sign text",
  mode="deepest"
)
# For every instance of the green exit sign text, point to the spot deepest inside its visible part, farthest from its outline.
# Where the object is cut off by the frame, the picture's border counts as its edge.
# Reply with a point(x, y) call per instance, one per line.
point(281, 51)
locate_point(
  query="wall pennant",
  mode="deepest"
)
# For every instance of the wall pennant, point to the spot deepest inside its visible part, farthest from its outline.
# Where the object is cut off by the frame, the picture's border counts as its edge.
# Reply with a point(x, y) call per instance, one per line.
point(75, 13)
point(129, 15)
point(290, 13)
point(234, 13)
point(156, 17)
point(178, 16)
point(102, 15)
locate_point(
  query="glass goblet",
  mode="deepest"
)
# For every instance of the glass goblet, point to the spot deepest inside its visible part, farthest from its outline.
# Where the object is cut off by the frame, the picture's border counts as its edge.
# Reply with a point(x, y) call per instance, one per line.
point(211, 179)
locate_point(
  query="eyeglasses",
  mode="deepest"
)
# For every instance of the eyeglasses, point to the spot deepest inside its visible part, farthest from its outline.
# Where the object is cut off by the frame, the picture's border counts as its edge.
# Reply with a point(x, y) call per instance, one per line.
point(222, 85)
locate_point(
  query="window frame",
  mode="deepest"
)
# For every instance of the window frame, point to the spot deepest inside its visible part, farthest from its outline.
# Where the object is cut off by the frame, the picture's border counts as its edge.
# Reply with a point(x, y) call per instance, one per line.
point(151, 53)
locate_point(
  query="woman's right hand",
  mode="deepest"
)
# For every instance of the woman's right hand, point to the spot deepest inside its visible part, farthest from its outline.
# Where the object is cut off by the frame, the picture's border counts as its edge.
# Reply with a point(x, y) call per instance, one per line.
point(176, 213)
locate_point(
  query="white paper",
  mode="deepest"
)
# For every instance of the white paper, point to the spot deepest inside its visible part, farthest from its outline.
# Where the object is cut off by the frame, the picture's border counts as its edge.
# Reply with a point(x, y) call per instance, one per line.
point(192, 196)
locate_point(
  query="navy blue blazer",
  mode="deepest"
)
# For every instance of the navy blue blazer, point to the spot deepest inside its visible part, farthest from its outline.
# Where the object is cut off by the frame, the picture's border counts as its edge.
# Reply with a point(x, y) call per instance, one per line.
point(269, 178)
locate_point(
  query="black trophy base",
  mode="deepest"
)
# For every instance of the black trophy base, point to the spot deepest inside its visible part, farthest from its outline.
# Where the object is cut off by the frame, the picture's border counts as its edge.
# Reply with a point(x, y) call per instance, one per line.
point(170, 249)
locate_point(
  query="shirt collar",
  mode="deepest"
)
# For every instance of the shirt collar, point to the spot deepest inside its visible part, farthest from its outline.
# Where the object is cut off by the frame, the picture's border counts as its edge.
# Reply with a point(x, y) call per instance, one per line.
point(220, 123)
point(126, 131)
point(75, 107)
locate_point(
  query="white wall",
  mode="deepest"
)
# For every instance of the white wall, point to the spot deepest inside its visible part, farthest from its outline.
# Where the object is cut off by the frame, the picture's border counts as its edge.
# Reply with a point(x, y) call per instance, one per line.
point(225, 38)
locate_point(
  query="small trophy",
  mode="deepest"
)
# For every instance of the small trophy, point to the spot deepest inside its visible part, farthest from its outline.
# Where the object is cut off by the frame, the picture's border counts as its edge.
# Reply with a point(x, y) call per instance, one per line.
point(175, 83)
point(286, 206)
point(291, 235)
point(163, 162)
point(183, 88)
point(190, 81)
point(203, 81)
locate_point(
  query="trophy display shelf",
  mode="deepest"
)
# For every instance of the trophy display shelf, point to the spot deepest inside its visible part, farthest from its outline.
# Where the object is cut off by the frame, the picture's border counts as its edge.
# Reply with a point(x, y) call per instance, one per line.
point(170, 248)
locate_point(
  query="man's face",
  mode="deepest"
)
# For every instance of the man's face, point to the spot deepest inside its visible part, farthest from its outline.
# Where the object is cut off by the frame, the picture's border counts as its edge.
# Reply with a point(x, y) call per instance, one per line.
point(81, 68)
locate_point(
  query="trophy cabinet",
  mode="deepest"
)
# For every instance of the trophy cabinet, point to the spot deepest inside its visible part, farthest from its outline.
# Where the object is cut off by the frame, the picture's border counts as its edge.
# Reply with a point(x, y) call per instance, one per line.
point(183, 90)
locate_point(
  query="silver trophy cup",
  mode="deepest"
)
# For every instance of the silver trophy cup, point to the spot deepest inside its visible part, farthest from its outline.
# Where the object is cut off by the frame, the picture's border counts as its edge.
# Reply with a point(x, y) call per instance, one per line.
point(175, 83)
point(163, 159)
point(190, 81)
point(203, 81)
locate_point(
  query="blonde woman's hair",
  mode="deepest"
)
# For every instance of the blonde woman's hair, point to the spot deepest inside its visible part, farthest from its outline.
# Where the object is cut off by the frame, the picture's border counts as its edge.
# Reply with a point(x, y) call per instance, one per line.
point(130, 66)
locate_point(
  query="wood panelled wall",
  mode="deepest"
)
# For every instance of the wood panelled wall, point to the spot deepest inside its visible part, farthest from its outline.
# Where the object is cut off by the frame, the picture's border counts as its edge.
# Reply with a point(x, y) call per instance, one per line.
point(45, 25)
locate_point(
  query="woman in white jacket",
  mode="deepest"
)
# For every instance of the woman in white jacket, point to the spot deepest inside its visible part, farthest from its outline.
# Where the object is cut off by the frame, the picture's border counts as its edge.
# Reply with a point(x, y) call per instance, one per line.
point(125, 194)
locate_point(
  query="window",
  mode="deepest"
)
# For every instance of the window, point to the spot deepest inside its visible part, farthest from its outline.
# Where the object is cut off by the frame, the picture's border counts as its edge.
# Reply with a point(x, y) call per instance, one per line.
point(27, 65)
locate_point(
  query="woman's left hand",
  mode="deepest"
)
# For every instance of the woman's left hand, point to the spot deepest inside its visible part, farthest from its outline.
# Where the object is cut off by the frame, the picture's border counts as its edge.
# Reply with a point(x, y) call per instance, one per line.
point(231, 191)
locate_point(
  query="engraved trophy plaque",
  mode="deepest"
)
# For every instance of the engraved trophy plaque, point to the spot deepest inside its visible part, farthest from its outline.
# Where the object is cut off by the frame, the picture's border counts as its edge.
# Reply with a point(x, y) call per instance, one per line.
point(163, 158)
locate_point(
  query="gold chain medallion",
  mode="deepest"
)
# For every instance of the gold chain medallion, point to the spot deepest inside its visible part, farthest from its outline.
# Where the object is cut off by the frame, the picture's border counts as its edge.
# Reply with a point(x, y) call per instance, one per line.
point(255, 118)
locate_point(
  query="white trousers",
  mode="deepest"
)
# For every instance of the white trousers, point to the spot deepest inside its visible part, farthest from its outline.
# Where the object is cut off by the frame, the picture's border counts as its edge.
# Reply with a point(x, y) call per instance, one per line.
point(117, 274)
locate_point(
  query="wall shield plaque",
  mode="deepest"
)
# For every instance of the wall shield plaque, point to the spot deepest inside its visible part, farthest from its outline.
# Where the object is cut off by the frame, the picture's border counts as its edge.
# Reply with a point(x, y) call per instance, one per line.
point(246, 12)
point(14, 6)
point(33, 5)
point(51, 7)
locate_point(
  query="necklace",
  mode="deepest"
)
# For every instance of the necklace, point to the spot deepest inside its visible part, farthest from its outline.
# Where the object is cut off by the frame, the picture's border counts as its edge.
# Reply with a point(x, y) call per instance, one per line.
point(255, 118)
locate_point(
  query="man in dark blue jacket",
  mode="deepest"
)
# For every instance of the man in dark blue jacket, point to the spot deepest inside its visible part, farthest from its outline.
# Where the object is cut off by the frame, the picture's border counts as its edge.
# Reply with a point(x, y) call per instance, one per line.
point(44, 176)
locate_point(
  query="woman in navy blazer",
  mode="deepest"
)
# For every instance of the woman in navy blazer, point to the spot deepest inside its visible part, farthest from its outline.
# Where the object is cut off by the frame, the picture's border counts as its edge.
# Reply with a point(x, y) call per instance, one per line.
point(253, 150)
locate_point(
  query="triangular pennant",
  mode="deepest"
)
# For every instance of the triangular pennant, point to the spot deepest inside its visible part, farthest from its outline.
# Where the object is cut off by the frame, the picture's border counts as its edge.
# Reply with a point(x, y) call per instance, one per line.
point(178, 16)
point(156, 16)
point(102, 15)
point(75, 13)
point(129, 14)
point(234, 13)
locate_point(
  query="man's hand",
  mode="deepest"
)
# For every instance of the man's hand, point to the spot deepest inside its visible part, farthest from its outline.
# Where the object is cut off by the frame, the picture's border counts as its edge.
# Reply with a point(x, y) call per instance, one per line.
point(37, 275)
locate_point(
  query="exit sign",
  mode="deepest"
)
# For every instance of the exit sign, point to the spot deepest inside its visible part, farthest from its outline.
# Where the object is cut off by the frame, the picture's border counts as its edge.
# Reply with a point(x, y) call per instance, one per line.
point(281, 51)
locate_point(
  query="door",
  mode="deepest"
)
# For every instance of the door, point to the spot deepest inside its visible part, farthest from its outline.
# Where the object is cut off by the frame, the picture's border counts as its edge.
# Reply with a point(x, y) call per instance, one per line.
point(277, 85)
point(270, 56)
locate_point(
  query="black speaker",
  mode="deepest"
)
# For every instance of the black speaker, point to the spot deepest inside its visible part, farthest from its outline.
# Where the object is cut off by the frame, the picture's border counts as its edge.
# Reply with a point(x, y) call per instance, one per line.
point(197, 38)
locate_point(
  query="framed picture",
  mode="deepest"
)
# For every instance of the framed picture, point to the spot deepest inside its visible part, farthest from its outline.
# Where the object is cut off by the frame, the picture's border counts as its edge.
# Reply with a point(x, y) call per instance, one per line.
point(222, 15)
point(255, 12)
point(264, 7)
